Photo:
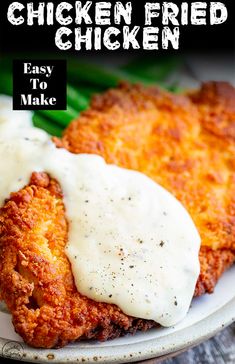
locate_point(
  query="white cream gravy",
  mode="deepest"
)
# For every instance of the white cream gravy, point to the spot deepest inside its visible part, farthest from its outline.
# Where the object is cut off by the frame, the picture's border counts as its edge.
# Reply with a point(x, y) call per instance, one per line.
point(131, 243)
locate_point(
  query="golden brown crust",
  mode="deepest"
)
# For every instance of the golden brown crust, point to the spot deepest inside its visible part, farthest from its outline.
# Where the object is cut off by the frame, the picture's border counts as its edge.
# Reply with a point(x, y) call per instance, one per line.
point(184, 142)
point(35, 275)
point(213, 263)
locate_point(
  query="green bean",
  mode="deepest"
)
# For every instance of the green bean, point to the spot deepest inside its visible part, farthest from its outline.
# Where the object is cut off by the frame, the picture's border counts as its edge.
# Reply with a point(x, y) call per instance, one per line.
point(154, 69)
point(89, 91)
point(61, 117)
point(76, 99)
point(100, 76)
point(45, 124)
point(174, 88)
point(6, 86)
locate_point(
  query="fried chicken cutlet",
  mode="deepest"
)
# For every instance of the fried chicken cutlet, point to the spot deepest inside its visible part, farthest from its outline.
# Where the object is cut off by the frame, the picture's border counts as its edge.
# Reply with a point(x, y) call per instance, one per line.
point(186, 143)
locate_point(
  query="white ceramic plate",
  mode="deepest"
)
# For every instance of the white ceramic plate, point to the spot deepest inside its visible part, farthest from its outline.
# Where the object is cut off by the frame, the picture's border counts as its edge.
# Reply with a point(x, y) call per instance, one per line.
point(208, 314)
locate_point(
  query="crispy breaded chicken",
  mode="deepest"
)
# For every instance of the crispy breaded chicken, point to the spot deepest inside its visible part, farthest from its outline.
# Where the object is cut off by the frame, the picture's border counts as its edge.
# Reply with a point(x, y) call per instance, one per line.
point(184, 142)
point(36, 279)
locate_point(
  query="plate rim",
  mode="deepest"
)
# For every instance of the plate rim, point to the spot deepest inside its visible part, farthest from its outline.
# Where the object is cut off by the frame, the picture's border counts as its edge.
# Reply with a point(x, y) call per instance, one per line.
point(132, 352)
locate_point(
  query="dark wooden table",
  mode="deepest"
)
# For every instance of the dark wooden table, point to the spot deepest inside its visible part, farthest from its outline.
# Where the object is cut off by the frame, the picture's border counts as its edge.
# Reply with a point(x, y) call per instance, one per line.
point(218, 350)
